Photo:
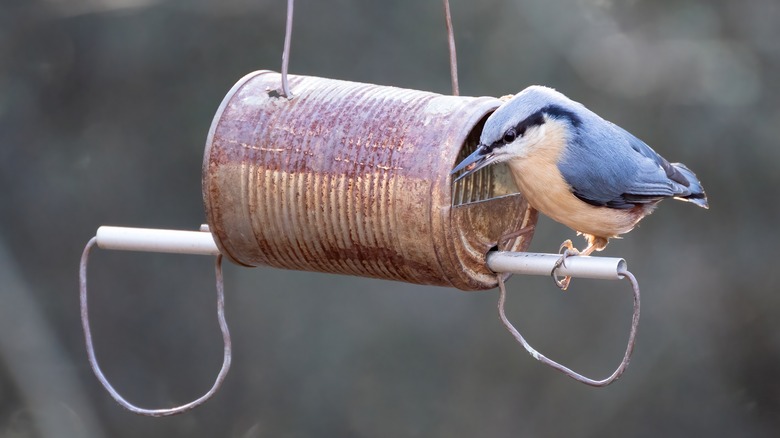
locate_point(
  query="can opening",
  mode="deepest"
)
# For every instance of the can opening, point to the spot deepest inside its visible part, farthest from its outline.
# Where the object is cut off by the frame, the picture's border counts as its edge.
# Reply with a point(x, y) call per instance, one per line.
point(488, 183)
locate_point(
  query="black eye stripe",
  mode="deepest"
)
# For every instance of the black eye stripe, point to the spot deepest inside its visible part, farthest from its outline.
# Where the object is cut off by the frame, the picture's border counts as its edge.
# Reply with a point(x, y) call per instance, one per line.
point(535, 119)
point(562, 113)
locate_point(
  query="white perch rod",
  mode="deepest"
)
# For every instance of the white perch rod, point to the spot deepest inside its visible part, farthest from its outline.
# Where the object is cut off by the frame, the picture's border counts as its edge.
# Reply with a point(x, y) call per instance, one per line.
point(153, 240)
point(531, 263)
point(202, 243)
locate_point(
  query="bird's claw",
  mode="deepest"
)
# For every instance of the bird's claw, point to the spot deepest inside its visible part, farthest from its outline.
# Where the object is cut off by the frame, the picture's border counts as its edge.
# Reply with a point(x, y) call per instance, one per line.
point(566, 250)
point(562, 284)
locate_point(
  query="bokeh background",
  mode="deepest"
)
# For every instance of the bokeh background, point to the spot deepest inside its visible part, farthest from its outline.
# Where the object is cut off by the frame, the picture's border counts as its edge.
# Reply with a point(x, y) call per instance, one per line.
point(104, 110)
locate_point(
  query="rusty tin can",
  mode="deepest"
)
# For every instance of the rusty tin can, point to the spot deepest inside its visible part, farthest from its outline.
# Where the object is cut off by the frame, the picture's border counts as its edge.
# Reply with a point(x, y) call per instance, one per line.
point(354, 178)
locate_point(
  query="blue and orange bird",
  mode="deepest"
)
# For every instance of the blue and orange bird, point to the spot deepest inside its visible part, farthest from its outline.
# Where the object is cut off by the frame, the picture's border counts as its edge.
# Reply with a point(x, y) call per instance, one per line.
point(577, 168)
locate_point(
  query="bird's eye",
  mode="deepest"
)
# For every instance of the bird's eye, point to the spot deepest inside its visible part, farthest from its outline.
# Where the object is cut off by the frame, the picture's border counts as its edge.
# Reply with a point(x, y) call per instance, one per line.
point(510, 136)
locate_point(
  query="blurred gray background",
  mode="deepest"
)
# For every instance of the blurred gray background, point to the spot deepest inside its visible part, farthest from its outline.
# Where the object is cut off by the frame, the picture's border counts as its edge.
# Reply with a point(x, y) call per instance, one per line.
point(104, 110)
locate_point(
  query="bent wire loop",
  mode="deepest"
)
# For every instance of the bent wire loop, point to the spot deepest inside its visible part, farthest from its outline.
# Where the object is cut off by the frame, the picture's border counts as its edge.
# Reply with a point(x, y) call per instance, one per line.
point(99, 373)
point(622, 272)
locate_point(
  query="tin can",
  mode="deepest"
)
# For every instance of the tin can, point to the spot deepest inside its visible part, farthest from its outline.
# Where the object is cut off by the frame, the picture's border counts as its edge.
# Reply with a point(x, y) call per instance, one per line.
point(354, 178)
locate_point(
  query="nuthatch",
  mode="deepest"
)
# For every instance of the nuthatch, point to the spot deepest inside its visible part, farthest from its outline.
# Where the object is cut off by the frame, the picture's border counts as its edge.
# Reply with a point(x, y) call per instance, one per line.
point(577, 168)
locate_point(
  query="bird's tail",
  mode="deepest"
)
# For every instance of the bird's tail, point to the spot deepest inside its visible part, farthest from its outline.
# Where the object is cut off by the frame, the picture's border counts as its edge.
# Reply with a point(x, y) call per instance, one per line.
point(697, 195)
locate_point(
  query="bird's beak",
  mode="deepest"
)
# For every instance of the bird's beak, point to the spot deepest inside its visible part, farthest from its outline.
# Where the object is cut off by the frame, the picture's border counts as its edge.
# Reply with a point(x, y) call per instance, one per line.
point(477, 160)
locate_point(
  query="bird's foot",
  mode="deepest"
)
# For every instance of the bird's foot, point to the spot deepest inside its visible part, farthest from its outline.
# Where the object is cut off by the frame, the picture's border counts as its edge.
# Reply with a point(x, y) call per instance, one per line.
point(566, 250)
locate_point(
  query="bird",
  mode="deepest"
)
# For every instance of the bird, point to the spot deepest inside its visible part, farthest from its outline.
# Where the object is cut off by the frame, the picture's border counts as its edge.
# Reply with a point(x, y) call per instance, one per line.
point(577, 168)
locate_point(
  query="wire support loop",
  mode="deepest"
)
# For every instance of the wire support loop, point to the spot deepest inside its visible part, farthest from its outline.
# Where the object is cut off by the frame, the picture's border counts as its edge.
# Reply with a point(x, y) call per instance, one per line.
point(624, 273)
point(452, 51)
point(99, 373)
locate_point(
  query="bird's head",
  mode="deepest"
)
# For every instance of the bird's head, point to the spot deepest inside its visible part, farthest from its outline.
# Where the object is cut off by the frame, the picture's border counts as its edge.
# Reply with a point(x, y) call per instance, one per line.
point(519, 126)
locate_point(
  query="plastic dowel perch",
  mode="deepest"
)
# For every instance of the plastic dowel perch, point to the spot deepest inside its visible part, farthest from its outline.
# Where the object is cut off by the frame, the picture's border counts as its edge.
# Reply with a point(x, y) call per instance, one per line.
point(202, 243)
point(509, 262)
point(154, 240)
point(530, 263)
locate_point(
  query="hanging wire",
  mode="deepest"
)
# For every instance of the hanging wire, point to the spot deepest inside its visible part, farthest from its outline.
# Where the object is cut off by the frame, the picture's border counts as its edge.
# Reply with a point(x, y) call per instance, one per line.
point(286, 53)
point(453, 54)
point(551, 363)
point(450, 39)
point(99, 373)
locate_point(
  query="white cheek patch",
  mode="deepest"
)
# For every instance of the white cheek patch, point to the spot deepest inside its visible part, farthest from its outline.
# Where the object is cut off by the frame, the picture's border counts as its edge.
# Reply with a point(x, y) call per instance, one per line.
point(527, 144)
point(535, 137)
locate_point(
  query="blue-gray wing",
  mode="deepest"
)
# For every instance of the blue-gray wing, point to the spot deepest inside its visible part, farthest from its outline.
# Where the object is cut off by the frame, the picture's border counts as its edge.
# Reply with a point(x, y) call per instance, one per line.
point(613, 168)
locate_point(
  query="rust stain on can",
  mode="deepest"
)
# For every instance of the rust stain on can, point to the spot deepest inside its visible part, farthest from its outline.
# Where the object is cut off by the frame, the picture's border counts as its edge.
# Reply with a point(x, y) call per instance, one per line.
point(353, 179)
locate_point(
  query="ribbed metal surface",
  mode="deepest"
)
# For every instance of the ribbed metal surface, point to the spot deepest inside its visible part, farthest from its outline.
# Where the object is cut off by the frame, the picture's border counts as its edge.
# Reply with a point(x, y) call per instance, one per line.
point(351, 178)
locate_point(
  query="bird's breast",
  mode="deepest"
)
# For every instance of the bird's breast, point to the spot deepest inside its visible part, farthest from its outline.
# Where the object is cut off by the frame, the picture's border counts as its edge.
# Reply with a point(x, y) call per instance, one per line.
point(541, 182)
